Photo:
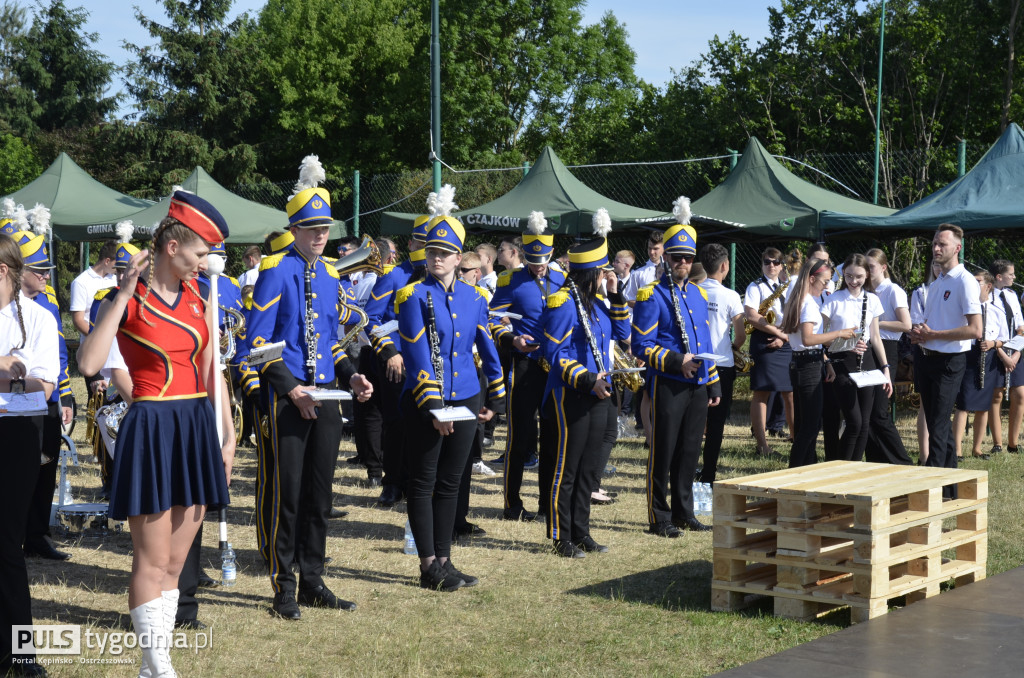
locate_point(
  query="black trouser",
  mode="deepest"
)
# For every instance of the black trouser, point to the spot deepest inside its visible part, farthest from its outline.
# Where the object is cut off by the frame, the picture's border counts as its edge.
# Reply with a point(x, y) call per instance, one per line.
point(38, 525)
point(937, 378)
point(436, 467)
point(546, 463)
point(475, 450)
point(855, 403)
point(23, 441)
point(611, 434)
point(808, 399)
point(678, 413)
point(717, 416)
point(305, 453)
point(775, 413)
point(188, 582)
point(525, 393)
point(369, 419)
point(831, 420)
point(884, 442)
point(580, 424)
point(264, 480)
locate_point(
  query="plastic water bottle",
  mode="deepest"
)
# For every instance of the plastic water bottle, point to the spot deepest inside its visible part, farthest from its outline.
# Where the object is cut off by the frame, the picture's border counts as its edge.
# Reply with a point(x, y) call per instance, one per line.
point(228, 570)
point(410, 541)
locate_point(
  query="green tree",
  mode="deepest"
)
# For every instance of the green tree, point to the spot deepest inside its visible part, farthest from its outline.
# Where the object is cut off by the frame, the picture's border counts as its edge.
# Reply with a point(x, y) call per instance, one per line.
point(18, 164)
point(56, 79)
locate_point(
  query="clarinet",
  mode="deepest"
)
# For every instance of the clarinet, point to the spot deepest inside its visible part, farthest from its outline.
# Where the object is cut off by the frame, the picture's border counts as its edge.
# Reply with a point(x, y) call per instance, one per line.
point(310, 332)
point(585, 322)
point(435, 345)
point(981, 353)
point(679, 318)
point(863, 325)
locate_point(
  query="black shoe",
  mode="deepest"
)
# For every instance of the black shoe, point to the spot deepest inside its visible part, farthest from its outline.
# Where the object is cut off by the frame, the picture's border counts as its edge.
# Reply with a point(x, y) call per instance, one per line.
point(27, 669)
point(355, 461)
point(286, 607)
point(518, 513)
point(469, 580)
point(437, 579)
point(321, 596)
point(469, 530)
point(664, 530)
point(44, 549)
point(590, 546)
point(190, 624)
point(566, 549)
point(692, 524)
point(373, 483)
point(328, 560)
point(390, 495)
point(337, 513)
point(206, 581)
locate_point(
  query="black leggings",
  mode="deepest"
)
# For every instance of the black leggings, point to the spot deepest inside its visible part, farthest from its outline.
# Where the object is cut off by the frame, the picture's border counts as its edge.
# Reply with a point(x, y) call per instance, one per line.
point(855, 403)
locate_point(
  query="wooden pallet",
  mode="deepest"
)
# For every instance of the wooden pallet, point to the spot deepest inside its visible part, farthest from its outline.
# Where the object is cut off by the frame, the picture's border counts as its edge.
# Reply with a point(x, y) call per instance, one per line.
point(846, 534)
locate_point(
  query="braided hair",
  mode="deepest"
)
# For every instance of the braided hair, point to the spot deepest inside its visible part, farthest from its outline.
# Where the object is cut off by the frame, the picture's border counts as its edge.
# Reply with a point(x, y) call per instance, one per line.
point(168, 229)
point(11, 256)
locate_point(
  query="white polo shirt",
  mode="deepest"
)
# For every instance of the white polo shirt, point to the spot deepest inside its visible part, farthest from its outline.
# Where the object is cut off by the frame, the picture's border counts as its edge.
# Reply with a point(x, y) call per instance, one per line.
point(40, 352)
point(723, 305)
point(489, 282)
point(1011, 299)
point(85, 287)
point(761, 289)
point(917, 300)
point(249, 277)
point(843, 311)
point(810, 312)
point(892, 297)
point(994, 323)
point(952, 297)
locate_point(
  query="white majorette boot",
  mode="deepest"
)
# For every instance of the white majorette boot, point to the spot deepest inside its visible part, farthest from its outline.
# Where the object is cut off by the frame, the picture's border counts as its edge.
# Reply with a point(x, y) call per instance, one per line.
point(149, 627)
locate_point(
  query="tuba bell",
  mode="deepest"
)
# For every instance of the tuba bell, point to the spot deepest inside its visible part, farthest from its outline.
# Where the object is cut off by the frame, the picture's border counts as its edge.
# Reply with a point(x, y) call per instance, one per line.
point(366, 258)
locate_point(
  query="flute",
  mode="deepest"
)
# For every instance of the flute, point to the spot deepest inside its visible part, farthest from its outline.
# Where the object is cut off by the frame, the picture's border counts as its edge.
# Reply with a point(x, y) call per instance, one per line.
point(863, 321)
point(981, 352)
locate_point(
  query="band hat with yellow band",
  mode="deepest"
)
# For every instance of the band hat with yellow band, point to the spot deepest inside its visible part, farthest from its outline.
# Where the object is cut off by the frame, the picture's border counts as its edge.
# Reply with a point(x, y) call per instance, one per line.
point(538, 247)
point(201, 217)
point(681, 238)
point(8, 223)
point(444, 232)
point(310, 206)
point(419, 227)
point(33, 249)
point(218, 248)
point(125, 250)
point(594, 253)
point(282, 242)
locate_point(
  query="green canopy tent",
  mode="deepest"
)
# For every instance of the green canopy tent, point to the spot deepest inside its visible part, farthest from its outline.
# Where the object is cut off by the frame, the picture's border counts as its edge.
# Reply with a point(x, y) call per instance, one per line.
point(248, 222)
point(549, 187)
point(768, 200)
point(81, 208)
point(989, 198)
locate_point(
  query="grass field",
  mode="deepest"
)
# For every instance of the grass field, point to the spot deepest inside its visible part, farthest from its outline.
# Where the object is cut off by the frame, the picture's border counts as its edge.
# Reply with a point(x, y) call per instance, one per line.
point(642, 609)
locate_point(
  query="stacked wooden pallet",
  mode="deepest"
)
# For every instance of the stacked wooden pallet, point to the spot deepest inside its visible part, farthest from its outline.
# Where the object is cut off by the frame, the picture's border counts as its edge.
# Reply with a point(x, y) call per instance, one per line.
point(846, 533)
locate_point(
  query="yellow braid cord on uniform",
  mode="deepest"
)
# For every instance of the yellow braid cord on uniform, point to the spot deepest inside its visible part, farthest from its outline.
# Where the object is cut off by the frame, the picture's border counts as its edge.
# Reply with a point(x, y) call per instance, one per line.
point(275, 565)
point(571, 372)
point(425, 390)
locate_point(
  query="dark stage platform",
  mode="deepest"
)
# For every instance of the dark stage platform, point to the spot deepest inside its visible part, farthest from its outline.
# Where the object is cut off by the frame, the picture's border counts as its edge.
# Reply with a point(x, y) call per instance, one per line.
point(972, 631)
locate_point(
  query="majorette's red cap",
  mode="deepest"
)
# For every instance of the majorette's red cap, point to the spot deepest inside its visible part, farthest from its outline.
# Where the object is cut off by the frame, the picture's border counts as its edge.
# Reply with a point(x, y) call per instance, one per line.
point(199, 215)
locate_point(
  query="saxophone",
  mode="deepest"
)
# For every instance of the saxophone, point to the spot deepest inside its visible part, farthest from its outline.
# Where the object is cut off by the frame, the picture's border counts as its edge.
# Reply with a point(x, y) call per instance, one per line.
point(632, 381)
point(765, 309)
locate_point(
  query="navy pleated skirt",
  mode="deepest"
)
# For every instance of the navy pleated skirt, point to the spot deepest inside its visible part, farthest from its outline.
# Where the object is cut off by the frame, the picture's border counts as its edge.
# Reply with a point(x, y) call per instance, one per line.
point(167, 455)
point(974, 399)
point(771, 366)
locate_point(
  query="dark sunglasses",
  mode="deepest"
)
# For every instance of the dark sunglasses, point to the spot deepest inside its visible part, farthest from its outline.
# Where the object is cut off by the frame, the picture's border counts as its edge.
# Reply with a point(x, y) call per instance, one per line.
point(676, 258)
point(467, 270)
point(772, 262)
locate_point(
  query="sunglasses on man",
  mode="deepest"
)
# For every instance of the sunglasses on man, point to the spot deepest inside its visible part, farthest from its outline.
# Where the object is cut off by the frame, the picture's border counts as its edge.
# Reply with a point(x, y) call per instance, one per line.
point(772, 262)
point(676, 258)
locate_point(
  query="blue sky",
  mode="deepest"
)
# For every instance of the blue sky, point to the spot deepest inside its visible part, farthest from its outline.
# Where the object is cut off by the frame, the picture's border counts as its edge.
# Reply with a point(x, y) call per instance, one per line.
point(665, 34)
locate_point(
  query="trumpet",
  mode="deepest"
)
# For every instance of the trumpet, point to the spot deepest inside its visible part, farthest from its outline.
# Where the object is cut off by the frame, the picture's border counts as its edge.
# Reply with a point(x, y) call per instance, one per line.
point(632, 381)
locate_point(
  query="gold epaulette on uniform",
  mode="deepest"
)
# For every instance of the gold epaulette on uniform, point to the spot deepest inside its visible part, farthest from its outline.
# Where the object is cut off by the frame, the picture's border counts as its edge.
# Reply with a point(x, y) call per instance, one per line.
point(558, 298)
point(271, 261)
point(404, 293)
point(101, 294)
point(645, 292)
point(504, 278)
point(50, 291)
point(387, 268)
point(332, 271)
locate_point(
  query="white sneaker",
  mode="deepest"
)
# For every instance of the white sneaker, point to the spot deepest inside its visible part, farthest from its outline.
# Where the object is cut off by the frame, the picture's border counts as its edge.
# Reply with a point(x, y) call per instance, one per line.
point(482, 469)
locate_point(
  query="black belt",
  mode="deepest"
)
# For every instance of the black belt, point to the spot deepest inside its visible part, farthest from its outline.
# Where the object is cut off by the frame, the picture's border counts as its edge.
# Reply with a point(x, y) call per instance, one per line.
point(808, 353)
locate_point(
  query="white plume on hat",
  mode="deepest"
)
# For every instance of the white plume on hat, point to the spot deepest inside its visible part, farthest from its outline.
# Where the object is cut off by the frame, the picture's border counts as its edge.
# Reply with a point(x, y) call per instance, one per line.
point(537, 223)
point(9, 208)
point(681, 210)
point(602, 223)
point(124, 230)
point(20, 218)
point(39, 217)
point(311, 174)
point(442, 203)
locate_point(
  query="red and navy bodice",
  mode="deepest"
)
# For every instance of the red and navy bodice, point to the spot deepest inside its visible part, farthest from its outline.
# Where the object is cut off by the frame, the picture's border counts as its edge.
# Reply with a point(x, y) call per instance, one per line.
point(164, 357)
